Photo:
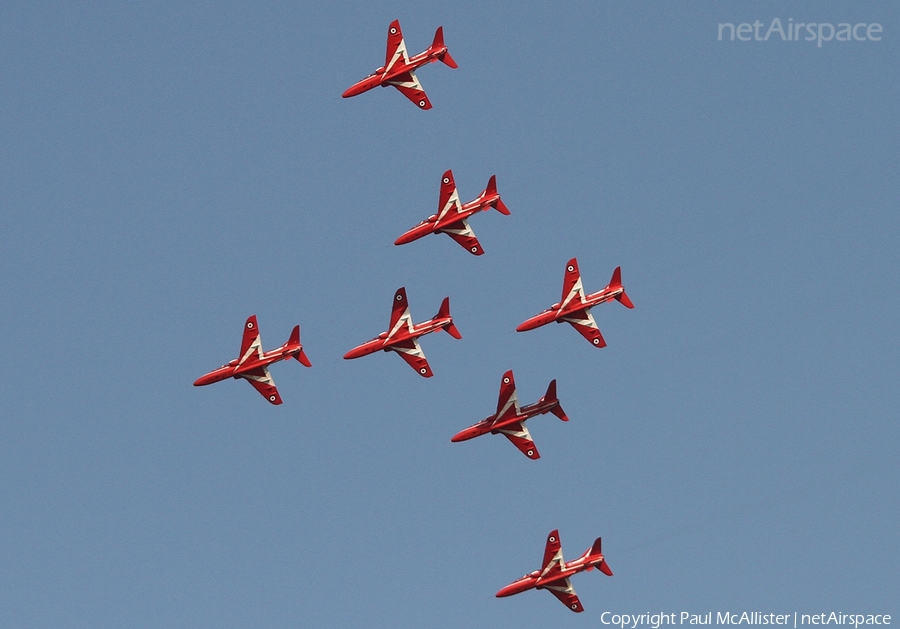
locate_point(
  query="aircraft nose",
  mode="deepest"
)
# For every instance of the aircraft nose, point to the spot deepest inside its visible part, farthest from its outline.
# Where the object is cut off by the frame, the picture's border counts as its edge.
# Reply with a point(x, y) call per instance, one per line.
point(373, 80)
point(537, 321)
point(509, 590)
point(361, 350)
point(204, 380)
point(357, 88)
point(464, 435)
point(530, 324)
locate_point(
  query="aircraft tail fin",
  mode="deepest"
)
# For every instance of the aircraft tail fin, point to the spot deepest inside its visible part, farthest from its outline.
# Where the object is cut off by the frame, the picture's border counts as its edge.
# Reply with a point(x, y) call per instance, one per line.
point(616, 282)
point(439, 43)
point(498, 205)
point(550, 396)
point(616, 279)
point(601, 565)
point(444, 311)
point(294, 343)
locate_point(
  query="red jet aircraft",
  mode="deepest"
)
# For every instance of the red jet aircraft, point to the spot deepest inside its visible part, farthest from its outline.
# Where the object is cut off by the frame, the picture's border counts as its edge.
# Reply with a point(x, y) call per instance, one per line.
point(253, 363)
point(575, 307)
point(555, 572)
point(510, 419)
point(403, 336)
point(452, 215)
point(399, 68)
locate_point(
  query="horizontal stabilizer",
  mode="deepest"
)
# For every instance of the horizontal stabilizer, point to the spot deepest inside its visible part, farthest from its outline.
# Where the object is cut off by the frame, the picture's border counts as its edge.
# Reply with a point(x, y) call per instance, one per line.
point(447, 59)
point(616, 282)
point(602, 566)
point(492, 190)
point(439, 43)
point(294, 343)
point(559, 412)
point(444, 311)
point(623, 299)
point(550, 396)
point(302, 358)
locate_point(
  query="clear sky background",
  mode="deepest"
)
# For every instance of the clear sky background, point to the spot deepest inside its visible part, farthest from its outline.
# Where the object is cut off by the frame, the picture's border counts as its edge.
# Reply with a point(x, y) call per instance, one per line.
point(169, 169)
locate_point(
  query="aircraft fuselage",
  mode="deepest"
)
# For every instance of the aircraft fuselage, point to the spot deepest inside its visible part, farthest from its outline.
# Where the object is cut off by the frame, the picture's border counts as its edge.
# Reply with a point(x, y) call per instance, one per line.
point(534, 580)
point(432, 224)
point(381, 78)
point(234, 369)
point(382, 342)
point(491, 425)
point(557, 312)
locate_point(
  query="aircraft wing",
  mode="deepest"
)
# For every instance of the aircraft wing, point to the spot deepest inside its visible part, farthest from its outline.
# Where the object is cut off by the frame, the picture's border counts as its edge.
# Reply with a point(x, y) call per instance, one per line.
point(400, 316)
point(463, 234)
point(250, 343)
point(412, 353)
point(553, 559)
point(410, 87)
point(396, 47)
point(566, 594)
point(518, 434)
point(508, 402)
point(583, 321)
point(262, 382)
point(449, 198)
point(572, 288)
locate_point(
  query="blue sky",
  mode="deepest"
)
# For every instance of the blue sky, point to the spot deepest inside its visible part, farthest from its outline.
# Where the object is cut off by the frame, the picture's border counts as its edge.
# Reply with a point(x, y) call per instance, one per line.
point(169, 170)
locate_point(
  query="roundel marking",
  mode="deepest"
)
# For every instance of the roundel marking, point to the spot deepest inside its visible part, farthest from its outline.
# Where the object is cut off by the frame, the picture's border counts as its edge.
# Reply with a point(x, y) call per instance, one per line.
point(249, 325)
point(421, 103)
point(552, 539)
point(596, 341)
point(474, 249)
point(423, 370)
point(393, 31)
point(272, 398)
point(574, 606)
point(399, 297)
point(570, 268)
point(446, 179)
point(506, 381)
point(530, 452)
